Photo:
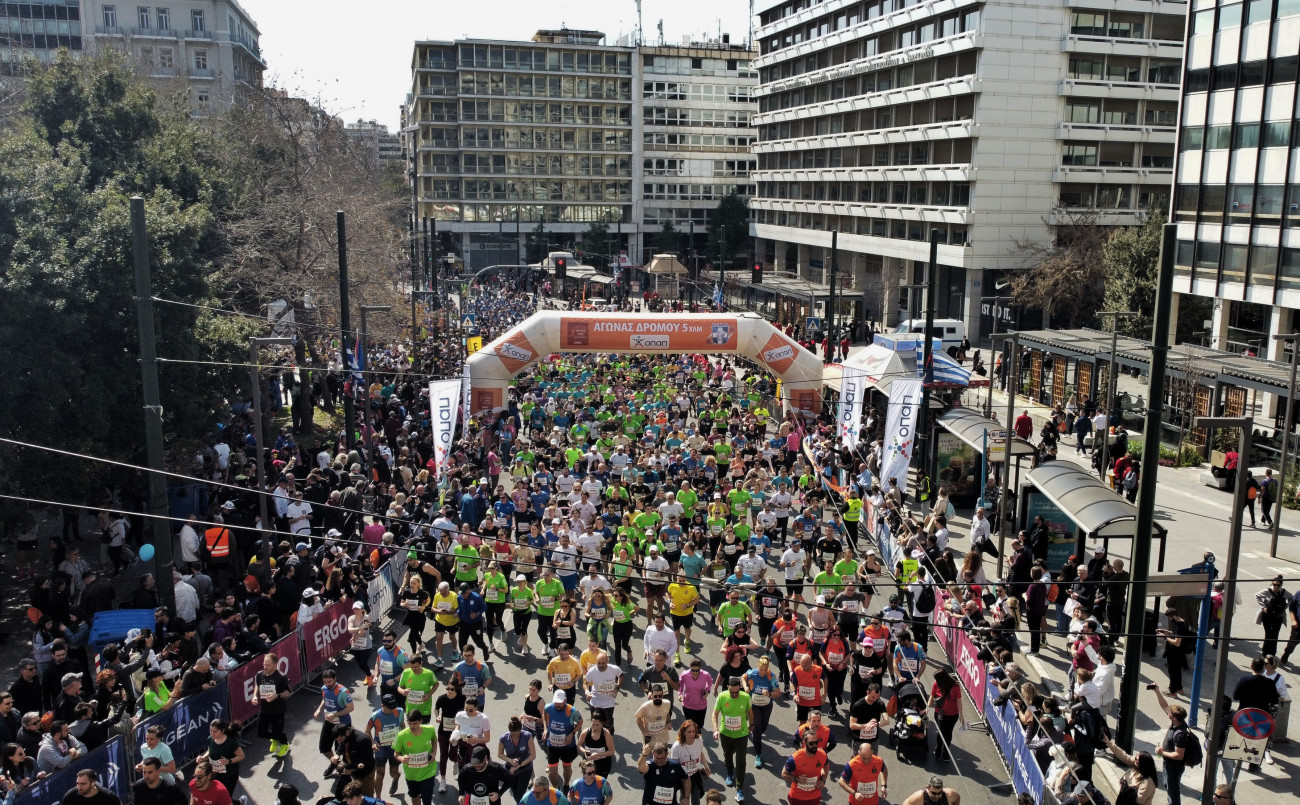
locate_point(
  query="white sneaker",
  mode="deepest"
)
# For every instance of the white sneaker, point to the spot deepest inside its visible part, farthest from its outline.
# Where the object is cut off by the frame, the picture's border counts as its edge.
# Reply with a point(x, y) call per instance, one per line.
point(442, 787)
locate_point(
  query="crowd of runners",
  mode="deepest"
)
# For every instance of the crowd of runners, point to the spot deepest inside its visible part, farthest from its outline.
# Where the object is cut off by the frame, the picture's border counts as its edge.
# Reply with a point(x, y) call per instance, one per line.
point(619, 506)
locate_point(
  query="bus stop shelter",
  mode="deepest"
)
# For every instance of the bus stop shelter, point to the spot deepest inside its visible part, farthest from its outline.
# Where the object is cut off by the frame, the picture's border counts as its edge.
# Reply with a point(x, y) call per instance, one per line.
point(962, 463)
point(1078, 509)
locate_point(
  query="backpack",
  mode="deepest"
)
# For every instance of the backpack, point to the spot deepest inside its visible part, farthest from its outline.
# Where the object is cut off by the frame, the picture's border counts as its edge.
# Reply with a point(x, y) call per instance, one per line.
point(1193, 754)
point(1131, 479)
point(925, 601)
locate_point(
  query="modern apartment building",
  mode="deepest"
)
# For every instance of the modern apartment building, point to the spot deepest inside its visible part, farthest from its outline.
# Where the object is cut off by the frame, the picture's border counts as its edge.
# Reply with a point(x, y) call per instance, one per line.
point(380, 146)
point(209, 46)
point(566, 130)
point(697, 104)
point(983, 119)
point(1237, 202)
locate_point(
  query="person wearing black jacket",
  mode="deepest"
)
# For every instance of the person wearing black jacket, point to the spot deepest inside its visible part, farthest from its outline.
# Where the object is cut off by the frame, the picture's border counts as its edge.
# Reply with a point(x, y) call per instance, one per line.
point(26, 689)
point(353, 758)
point(11, 719)
point(481, 778)
point(1038, 538)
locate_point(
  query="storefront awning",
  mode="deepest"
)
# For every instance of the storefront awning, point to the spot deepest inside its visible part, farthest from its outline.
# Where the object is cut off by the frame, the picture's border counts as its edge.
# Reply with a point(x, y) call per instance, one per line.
point(969, 426)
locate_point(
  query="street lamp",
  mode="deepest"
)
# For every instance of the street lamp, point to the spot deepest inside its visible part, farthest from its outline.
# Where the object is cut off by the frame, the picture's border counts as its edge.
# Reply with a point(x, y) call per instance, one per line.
point(365, 396)
point(1294, 340)
point(994, 310)
point(255, 375)
point(1212, 748)
point(1112, 387)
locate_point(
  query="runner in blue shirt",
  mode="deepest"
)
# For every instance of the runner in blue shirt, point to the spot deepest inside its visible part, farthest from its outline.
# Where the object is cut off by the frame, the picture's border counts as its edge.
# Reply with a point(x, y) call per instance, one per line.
point(591, 788)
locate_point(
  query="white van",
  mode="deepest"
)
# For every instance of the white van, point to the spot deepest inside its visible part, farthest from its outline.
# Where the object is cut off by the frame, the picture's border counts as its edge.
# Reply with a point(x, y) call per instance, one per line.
point(951, 331)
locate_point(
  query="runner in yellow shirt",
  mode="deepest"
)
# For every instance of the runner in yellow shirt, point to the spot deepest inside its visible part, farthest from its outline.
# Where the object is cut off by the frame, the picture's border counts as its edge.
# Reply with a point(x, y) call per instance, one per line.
point(446, 606)
point(564, 672)
point(682, 597)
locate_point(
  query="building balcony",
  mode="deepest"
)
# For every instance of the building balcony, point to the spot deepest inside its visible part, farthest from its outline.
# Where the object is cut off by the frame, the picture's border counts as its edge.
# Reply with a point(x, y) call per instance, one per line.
point(948, 130)
point(901, 212)
point(202, 72)
point(967, 40)
point(868, 173)
point(207, 35)
point(1116, 133)
point(1113, 174)
point(1178, 7)
point(1122, 46)
point(156, 33)
point(1124, 90)
point(903, 16)
point(1107, 217)
point(947, 88)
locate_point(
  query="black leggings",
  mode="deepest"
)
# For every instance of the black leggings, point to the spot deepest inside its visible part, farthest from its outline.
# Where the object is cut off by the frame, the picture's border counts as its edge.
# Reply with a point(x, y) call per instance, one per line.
point(362, 656)
point(415, 624)
point(475, 633)
point(622, 642)
point(496, 618)
point(835, 685)
point(520, 781)
point(762, 715)
point(522, 618)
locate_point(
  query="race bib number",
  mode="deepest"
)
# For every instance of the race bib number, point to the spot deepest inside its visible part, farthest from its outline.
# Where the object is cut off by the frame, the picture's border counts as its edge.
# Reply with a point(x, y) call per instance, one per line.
point(867, 789)
point(556, 740)
point(462, 567)
point(731, 722)
point(656, 725)
point(760, 699)
point(850, 606)
point(868, 733)
point(418, 760)
point(691, 765)
point(598, 613)
point(769, 612)
point(564, 632)
point(448, 724)
point(606, 688)
point(787, 635)
point(878, 644)
point(664, 794)
point(563, 679)
point(219, 766)
point(412, 603)
point(908, 665)
point(387, 735)
point(835, 657)
point(806, 783)
point(546, 601)
point(470, 688)
point(386, 667)
point(807, 692)
point(415, 697)
point(731, 623)
point(473, 800)
point(359, 641)
point(265, 690)
point(444, 606)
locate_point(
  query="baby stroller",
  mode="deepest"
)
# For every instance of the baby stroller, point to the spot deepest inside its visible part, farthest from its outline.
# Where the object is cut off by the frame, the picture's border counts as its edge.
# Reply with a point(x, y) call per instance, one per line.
point(909, 733)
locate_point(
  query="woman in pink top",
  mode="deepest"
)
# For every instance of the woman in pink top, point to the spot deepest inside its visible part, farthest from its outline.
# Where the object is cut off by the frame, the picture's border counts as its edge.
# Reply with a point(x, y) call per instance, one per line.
point(693, 692)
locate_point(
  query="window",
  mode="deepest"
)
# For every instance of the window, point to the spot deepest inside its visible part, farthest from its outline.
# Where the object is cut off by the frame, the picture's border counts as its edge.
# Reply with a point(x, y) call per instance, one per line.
point(165, 58)
point(201, 59)
point(1252, 73)
point(1183, 257)
point(1185, 199)
point(110, 16)
point(142, 16)
point(1086, 23)
point(1246, 135)
point(146, 57)
point(1082, 112)
point(203, 100)
point(1285, 69)
point(1277, 134)
point(1268, 202)
point(1207, 255)
point(1197, 80)
point(1080, 154)
point(196, 20)
point(1241, 200)
point(1193, 138)
point(1230, 16)
point(164, 18)
point(1218, 137)
point(1203, 22)
point(1213, 197)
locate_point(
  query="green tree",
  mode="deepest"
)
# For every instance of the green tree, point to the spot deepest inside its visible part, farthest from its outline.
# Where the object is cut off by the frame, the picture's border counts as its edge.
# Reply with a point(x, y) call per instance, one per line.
point(535, 244)
point(596, 243)
point(667, 241)
point(1131, 258)
point(89, 135)
point(732, 216)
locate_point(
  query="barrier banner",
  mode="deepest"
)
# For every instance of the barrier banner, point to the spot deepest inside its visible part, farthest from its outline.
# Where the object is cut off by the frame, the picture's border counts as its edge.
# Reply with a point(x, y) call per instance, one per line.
point(112, 625)
point(242, 680)
point(962, 652)
point(381, 596)
point(394, 572)
point(853, 387)
point(327, 635)
point(443, 397)
point(900, 431)
point(185, 723)
point(108, 761)
point(1009, 738)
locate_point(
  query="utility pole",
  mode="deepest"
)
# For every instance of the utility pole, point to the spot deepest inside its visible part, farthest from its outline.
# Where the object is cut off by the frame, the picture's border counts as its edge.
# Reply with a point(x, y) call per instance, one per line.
point(364, 349)
point(1135, 625)
point(1212, 747)
point(722, 262)
point(415, 267)
point(1112, 387)
point(255, 378)
point(1294, 341)
point(927, 364)
point(830, 297)
point(693, 276)
point(988, 402)
point(345, 329)
point(1012, 362)
point(159, 524)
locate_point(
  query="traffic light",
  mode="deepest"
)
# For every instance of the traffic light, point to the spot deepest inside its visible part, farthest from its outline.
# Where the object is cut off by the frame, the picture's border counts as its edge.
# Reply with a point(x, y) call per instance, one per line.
point(757, 276)
point(561, 268)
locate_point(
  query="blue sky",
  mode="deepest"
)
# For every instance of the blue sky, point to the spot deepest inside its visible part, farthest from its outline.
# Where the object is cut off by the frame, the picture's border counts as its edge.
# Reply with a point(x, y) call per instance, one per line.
point(355, 58)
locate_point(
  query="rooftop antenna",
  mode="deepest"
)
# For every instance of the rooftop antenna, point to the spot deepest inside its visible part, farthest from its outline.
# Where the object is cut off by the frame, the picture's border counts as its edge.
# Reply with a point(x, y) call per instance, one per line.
point(749, 27)
point(639, 38)
point(661, 32)
point(719, 29)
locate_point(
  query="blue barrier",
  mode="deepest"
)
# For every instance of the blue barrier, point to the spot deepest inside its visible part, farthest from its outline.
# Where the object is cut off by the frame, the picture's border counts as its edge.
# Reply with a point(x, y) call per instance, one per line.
point(108, 761)
point(185, 723)
point(1009, 737)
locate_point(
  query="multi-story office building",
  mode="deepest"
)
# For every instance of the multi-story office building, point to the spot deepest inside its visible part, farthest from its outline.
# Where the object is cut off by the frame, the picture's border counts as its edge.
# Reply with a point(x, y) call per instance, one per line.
point(982, 119)
point(566, 130)
point(696, 108)
point(37, 29)
point(509, 134)
point(1237, 202)
point(379, 146)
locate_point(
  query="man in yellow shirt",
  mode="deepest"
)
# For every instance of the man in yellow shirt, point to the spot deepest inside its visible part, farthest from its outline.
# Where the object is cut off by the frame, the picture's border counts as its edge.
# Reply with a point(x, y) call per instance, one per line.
point(446, 620)
point(564, 672)
point(682, 597)
point(588, 658)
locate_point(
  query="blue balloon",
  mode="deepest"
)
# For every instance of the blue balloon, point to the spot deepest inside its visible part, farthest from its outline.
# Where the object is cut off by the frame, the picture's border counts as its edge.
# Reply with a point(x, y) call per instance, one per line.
point(146, 553)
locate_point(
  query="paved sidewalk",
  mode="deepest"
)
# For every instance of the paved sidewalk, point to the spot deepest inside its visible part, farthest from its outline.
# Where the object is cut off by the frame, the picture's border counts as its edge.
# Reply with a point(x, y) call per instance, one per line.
point(1197, 517)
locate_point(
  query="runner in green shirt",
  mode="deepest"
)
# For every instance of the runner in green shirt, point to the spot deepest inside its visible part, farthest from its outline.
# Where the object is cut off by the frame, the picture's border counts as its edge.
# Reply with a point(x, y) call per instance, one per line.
point(828, 583)
point(414, 747)
point(846, 568)
point(417, 684)
point(467, 558)
point(688, 499)
point(549, 591)
point(495, 587)
point(521, 602)
point(732, 716)
point(739, 498)
point(732, 612)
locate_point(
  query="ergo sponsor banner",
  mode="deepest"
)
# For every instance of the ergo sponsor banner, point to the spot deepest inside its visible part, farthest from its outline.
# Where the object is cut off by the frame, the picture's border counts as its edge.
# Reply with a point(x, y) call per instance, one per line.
point(650, 334)
point(326, 635)
point(243, 680)
point(962, 652)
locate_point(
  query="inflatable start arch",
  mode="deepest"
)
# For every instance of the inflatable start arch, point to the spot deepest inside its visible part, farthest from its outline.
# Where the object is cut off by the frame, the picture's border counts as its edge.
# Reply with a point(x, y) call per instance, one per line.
point(490, 370)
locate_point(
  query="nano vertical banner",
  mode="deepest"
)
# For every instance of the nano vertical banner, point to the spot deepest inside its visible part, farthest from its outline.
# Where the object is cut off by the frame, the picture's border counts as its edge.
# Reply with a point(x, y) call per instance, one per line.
point(852, 388)
point(443, 397)
point(900, 430)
